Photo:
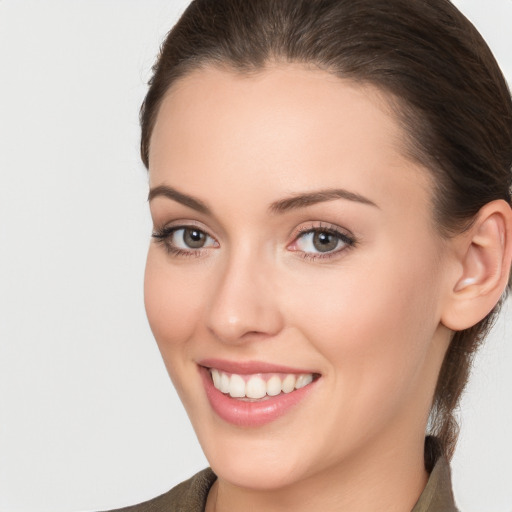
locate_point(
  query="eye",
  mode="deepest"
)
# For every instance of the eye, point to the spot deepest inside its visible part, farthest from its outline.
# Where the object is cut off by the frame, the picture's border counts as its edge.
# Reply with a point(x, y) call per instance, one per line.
point(321, 242)
point(189, 238)
point(184, 240)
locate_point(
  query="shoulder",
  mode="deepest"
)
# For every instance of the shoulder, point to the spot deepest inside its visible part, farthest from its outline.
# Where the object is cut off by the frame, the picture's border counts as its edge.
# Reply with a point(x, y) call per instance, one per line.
point(189, 496)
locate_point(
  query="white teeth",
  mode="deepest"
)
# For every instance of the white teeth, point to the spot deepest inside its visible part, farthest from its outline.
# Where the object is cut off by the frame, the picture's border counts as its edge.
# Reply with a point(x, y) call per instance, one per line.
point(288, 384)
point(224, 383)
point(255, 386)
point(303, 380)
point(236, 386)
point(274, 386)
point(216, 378)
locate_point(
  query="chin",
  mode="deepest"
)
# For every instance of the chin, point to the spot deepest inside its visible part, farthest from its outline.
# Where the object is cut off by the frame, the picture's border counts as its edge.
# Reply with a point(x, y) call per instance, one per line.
point(268, 458)
point(257, 473)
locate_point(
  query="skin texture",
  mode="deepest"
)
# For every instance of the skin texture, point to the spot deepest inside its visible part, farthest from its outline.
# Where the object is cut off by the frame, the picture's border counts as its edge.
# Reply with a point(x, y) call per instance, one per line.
point(368, 319)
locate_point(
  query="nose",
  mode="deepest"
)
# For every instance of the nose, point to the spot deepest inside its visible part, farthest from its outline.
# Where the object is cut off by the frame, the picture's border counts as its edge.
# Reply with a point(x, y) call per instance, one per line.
point(244, 304)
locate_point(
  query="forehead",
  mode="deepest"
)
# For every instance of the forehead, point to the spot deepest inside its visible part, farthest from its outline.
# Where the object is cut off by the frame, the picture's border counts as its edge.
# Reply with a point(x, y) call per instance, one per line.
point(286, 125)
point(278, 100)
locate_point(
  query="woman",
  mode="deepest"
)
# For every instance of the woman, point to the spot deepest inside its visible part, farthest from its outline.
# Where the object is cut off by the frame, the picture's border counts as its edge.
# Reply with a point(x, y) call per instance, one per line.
point(330, 190)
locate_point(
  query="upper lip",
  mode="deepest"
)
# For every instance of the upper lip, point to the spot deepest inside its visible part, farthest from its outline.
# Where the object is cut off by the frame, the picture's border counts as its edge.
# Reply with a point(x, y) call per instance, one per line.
point(250, 367)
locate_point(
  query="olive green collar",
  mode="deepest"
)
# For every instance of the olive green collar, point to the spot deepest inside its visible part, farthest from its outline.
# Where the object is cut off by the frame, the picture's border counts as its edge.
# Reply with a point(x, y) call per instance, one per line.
point(437, 495)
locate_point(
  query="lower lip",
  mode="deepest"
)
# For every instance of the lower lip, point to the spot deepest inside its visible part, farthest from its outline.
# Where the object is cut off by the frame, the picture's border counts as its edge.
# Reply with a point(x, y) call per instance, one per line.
point(251, 414)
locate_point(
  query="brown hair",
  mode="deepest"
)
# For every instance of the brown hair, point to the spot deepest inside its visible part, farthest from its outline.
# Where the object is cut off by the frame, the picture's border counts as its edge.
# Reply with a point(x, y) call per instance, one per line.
point(440, 76)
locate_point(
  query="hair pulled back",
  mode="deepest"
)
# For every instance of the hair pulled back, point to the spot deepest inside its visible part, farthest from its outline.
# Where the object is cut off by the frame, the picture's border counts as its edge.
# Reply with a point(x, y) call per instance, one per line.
point(439, 74)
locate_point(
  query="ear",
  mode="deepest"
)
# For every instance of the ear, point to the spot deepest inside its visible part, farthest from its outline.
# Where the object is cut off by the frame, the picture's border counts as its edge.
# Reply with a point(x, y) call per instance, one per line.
point(484, 258)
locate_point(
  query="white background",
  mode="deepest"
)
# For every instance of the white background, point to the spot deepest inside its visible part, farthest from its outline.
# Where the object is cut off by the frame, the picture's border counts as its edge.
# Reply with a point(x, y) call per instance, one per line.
point(88, 418)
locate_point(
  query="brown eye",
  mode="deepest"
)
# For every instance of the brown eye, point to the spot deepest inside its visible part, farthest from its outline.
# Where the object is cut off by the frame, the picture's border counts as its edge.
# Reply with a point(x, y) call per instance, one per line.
point(185, 240)
point(321, 242)
point(324, 241)
point(193, 238)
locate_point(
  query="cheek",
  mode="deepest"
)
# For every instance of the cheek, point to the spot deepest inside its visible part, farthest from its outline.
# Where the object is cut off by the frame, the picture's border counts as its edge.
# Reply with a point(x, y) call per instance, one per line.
point(367, 306)
point(173, 304)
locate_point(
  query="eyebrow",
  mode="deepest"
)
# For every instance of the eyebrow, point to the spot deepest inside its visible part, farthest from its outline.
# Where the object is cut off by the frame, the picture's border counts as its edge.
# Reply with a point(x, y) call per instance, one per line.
point(184, 199)
point(281, 206)
point(304, 200)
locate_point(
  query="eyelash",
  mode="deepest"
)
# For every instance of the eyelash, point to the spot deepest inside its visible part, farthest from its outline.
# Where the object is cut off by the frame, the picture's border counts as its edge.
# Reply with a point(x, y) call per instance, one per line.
point(163, 236)
point(347, 239)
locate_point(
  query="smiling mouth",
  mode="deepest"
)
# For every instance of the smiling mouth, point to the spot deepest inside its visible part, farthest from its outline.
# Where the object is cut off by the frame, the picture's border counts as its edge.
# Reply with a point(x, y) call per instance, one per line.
point(250, 394)
point(260, 386)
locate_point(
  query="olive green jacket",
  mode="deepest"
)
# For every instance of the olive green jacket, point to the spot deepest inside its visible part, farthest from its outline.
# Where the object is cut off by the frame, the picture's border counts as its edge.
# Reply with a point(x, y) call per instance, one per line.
point(190, 496)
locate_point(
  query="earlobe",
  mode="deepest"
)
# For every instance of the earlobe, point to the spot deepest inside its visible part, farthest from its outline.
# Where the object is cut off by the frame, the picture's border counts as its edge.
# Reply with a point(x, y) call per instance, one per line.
point(485, 254)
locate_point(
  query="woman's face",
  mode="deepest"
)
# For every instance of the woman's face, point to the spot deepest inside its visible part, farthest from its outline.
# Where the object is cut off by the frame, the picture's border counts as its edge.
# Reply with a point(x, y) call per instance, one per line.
point(294, 247)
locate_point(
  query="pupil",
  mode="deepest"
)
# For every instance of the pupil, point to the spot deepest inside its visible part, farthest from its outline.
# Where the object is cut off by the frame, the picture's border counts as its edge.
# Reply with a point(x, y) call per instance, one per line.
point(194, 238)
point(324, 242)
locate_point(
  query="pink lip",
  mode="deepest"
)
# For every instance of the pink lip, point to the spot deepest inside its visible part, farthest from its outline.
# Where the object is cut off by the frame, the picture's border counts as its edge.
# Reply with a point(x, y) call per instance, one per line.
point(251, 414)
point(249, 367)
